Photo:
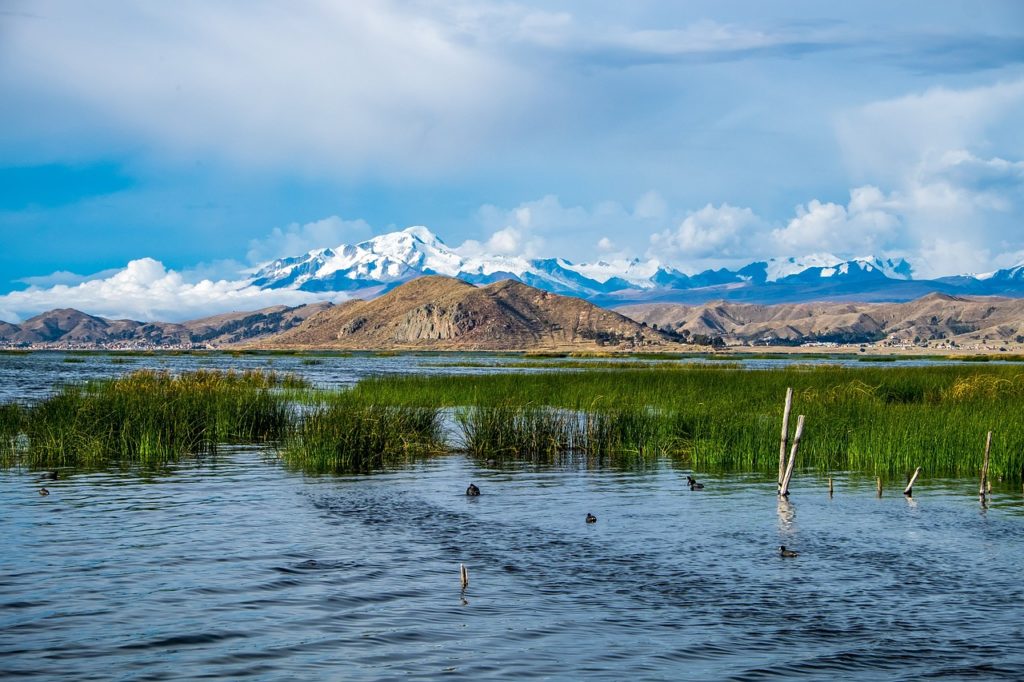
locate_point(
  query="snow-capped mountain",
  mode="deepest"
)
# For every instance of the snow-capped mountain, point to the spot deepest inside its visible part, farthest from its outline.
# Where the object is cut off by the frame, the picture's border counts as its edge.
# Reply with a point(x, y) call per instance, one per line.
point(385, 261)
point(396, 257)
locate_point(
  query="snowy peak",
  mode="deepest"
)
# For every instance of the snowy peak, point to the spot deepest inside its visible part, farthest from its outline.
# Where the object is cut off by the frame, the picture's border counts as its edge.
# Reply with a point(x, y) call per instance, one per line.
point(387, 260)
point(781, 268)
point(824, 265)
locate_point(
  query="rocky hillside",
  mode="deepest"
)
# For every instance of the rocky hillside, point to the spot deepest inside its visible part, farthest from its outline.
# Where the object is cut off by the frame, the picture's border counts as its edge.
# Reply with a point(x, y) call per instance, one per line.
point(70, 327)
point(935, 317)
point(438, 312)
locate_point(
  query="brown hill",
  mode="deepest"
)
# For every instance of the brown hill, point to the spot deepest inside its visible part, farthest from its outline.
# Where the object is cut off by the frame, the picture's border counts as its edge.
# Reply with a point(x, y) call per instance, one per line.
point(442, 313)
point(935, 317)
point(67, 326)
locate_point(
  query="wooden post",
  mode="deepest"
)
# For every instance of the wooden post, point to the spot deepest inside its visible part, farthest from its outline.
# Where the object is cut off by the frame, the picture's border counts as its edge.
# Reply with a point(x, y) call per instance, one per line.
point(879, 486)
point(909, 490)
point(784, 440)
point(463, 576)
point(830, 486)
point(784, 490)
point(984, 466)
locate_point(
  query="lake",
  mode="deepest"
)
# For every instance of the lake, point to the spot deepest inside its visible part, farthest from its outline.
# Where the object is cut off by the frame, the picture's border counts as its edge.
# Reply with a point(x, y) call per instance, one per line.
point(233, 567)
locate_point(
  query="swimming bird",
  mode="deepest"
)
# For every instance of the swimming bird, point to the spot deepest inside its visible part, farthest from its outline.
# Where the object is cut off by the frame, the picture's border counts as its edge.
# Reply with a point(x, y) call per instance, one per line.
point(44, 492)
point(787, 552)
point(591, 518)
point(472, 490)
point(692, 482)
point(49, 476)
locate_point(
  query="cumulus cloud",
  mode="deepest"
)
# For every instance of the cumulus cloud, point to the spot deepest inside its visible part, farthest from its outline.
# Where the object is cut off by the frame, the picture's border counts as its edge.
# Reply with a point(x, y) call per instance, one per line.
point(548, 227)
point(296, 239)
point(888, 140)
point(867, 225)
point(146, 290)
point(713, 232)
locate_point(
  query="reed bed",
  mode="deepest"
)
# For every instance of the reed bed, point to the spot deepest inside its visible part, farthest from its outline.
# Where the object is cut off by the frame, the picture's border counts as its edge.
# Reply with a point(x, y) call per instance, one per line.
point(884, 421)
point(346, 436)
point(146, 418)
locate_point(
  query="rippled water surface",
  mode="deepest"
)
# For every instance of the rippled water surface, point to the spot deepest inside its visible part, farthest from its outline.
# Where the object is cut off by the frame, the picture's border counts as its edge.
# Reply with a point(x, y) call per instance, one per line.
point(235, 568)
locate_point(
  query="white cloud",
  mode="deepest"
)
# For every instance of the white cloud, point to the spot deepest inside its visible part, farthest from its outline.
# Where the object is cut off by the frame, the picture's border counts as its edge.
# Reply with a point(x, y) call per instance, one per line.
point(867, 225)
point(547, 227)
point(296, 239)
point(886, 141)
point(713, 232)
point(146, 290)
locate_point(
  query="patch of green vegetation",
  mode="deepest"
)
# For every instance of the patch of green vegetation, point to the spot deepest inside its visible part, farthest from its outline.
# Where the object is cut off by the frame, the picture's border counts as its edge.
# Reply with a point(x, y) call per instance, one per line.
point(147, 418)
point(882, 421)
point(347, 436)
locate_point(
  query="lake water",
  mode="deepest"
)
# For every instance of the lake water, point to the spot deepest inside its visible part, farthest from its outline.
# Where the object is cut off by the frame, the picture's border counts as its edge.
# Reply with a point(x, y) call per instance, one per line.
point(233, 567)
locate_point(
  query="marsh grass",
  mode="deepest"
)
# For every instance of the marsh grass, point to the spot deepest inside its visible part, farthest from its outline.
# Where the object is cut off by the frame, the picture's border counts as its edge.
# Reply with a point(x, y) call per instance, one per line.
point(882, 421)
point(346, 436)
point(147, 418)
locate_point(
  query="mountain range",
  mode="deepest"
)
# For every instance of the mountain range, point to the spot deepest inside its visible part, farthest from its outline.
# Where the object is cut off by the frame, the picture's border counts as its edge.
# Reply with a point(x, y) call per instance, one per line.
point(70, 327)
point(934, 320)
point(379, 264)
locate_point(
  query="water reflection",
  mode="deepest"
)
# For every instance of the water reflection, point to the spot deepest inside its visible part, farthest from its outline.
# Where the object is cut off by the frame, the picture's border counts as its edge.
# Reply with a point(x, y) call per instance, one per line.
point(787, 515)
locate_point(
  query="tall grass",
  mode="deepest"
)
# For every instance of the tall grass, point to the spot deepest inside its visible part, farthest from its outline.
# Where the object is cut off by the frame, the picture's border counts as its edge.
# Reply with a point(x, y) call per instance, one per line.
point(148, 418)
point(345, 436)
point(879, 420)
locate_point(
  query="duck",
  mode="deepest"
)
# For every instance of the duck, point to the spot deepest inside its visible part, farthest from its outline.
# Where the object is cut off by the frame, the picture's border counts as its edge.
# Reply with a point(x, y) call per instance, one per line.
point(788, 553)
point(591, 518)
point(48, 476)
point(44, 492)
point(692, 482)
point(472, 490)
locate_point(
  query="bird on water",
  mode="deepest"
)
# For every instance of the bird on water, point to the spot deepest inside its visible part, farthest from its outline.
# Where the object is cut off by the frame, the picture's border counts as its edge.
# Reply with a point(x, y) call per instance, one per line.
point(591, 518)
point(48, 476)
point(472, 490)
point(787, 552)
point(692, 482)
point(44, 492)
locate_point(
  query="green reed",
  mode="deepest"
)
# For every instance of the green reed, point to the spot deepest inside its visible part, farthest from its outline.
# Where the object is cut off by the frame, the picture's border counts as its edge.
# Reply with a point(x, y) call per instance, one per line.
point(880, 420)
point(150, 417)
point(346, 436)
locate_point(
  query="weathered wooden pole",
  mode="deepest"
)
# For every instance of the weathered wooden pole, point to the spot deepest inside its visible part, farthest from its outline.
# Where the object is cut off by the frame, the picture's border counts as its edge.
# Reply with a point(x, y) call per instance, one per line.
point(784, 490)
point(879, 481)
point(984, 466)
point(830, 486)
point(784, 440)
point(463, 576)
point(909, 490)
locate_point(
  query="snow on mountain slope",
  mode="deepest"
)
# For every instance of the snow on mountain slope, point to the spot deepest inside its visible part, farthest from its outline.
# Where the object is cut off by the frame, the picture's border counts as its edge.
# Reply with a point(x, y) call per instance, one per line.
point(387, 260)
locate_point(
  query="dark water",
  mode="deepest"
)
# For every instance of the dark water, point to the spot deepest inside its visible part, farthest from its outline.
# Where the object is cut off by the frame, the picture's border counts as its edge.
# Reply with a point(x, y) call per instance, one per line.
point(234, 568)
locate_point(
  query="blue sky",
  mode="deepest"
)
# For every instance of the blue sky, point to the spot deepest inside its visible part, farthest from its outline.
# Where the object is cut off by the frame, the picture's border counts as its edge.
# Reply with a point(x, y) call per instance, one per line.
point(699, 133)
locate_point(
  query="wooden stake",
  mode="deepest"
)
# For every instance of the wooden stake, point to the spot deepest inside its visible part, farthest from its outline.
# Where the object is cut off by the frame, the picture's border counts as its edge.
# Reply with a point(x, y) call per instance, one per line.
point(463, 576)
point(784, 490)
point(879, 486)
point(984, 466)
point(830, 486)
point(909, 490)
point(784, 440)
